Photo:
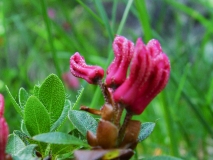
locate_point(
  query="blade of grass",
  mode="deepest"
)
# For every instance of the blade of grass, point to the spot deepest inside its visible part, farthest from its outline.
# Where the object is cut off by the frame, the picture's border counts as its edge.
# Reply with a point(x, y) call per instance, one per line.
point(209, 94)
point(114, 9)
point(194, 108)
point(123, 20)
point(169, 123)
point(191, 12)
point(181, 85)
point(5, 39)
point(105, 19)
point(144, 19)
point(90, 12)
point(186, 137)
point(50, 37)
point(121, 25)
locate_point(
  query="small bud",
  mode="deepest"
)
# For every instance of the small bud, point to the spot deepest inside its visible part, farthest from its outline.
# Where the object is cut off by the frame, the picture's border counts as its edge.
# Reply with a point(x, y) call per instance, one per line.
point(149, 74)
point(51, 13)
point(78, 67)
point(117, 71)
point(4, 131)
point(71, 81)
point(107, 134)
point(91, 139)
point(1, 105)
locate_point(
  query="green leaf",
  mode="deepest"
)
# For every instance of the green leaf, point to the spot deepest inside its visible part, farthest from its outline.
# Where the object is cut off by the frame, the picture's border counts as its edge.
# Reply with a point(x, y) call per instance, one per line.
point(36, 90)
point(24, 129)
point(23, 96)
point(36, 117)
point(146, 130)
point(57, 149)
point(58, 138)
point(63, 116)
point(15, 104)
point(162, 158)
point(52, 95)
point(22, 136)
point(26, 153)
point(66, 156)
point(83, 121)
point(14, 144)
point(77, 134)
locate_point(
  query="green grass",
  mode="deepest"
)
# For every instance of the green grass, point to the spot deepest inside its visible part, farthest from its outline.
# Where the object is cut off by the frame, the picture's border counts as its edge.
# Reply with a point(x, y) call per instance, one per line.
point(32, 46)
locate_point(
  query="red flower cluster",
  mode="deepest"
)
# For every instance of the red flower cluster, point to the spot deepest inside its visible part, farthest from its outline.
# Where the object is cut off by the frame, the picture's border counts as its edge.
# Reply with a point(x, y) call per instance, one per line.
point(149, 70)
point(4, 131)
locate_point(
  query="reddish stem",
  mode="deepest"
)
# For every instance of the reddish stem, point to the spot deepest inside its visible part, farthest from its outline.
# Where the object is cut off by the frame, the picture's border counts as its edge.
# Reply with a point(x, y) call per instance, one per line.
point(123, 127)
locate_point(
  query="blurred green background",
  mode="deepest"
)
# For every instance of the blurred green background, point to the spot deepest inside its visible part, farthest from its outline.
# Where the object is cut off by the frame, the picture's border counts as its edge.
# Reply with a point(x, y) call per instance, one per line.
point(38, 37)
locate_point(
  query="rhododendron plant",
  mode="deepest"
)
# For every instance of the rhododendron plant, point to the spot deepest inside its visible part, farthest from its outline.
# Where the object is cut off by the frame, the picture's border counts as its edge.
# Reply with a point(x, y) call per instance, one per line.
point(149, 70)
point(135, 76)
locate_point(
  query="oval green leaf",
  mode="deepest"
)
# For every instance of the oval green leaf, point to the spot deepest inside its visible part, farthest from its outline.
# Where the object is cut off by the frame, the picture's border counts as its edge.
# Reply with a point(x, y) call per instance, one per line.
point(52, 95)
point(83, 121)
point(146, 130)
point(27, 153)
point(23, 96)
point(14, 144)
point(36, 117)
point(59, 138)
point(63, 116)
point(15, 104)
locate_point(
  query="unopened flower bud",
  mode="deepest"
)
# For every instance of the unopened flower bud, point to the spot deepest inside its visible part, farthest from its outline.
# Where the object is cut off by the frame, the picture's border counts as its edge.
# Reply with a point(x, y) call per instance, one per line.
point(149, 74)
point(91, 139)
point(3, 137)
point(1, 105)
point(158, 78)
point(71, 81)
point(4, 131)
point(117, 71)
point(79, 68)
point(107, 134)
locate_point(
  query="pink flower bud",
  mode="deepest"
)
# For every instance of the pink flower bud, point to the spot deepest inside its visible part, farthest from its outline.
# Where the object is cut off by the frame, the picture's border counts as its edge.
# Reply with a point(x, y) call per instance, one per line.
point(123, 51)
point(1, 105)
point(71, 81)
point(51, 13)
point(3, 137)
point(78, 67)
point(3, 129)
point(149, 74)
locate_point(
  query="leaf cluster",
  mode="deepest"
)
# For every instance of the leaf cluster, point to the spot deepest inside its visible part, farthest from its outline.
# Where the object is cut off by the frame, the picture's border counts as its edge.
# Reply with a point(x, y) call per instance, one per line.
point(43, 113)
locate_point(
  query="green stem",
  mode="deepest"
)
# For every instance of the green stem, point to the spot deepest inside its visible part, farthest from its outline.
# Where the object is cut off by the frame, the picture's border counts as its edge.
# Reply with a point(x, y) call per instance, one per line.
point(50, 37)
